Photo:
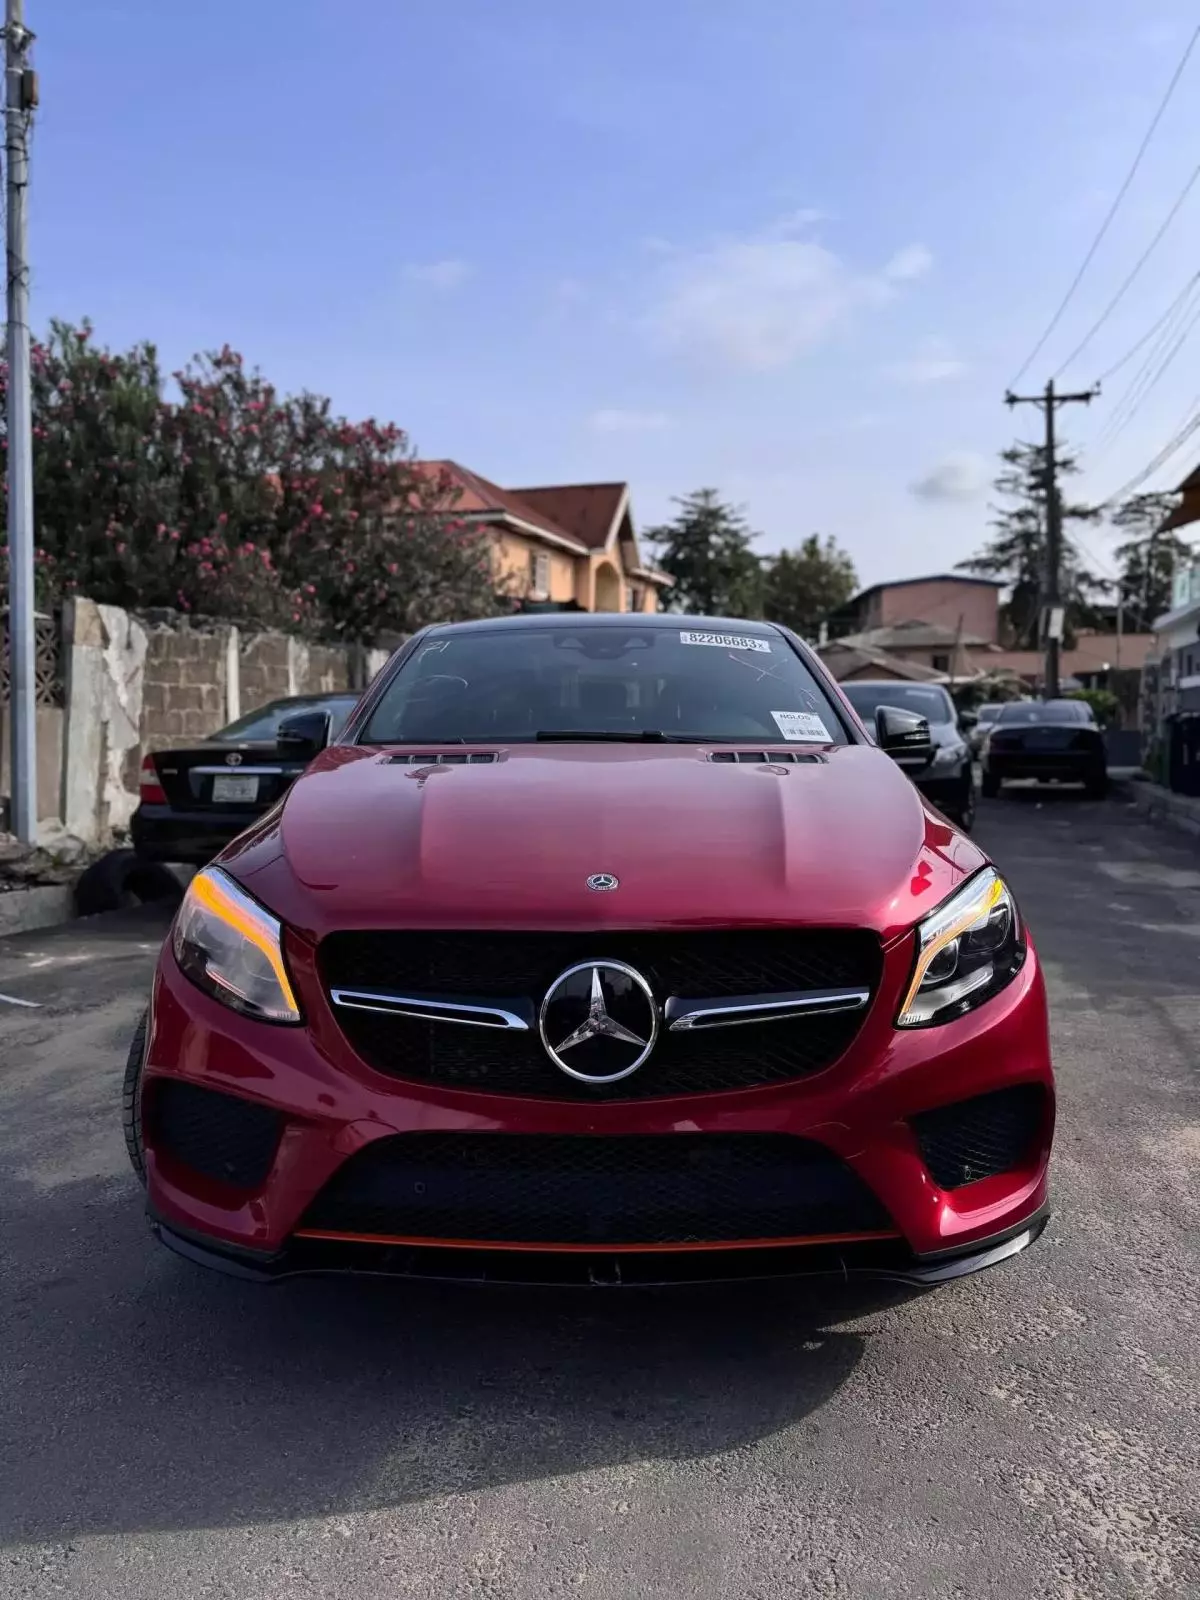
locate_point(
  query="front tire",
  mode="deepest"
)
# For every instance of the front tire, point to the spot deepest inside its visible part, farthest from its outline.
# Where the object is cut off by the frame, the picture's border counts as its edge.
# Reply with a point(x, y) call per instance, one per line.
point(989, 785)
point(131, 1099)
point(1096, 788)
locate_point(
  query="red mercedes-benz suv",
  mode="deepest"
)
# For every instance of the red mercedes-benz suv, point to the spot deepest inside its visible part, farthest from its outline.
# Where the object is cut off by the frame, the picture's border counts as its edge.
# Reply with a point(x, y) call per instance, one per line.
point(610, 949)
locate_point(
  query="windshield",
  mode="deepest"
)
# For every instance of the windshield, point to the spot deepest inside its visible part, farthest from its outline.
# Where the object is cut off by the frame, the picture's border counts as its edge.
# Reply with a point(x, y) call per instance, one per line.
point(1032, 711)
point(934, 704)
point(263, 725)
point(616, 682)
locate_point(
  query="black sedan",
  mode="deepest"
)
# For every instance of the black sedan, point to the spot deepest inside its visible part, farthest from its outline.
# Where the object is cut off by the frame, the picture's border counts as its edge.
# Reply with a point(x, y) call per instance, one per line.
point(194, 801)
point(947, 778)
point(1053, 741)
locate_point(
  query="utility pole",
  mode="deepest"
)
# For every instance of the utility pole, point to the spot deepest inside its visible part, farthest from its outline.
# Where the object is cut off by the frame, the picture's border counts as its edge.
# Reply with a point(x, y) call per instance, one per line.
point(1052, 606)
point(19, 101)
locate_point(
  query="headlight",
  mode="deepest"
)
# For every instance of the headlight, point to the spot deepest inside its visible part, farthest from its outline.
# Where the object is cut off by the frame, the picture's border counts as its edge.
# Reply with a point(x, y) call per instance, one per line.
point(229, 946)
point(947, 754)
point(966, 952)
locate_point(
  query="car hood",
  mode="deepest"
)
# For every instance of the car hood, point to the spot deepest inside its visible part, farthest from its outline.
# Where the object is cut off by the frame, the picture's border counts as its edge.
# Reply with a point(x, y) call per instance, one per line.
point(363, 840)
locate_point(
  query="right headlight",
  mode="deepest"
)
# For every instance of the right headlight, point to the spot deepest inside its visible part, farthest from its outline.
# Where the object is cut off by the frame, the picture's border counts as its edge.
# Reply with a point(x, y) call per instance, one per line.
point(970, 947)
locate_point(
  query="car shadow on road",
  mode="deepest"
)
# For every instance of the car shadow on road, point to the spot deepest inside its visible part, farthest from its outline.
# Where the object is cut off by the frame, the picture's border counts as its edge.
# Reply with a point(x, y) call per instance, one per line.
point(142, 1393)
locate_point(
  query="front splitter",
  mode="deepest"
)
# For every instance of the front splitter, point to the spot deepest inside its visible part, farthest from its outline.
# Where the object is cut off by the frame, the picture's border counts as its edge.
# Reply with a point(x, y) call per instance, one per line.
point(430, 1263)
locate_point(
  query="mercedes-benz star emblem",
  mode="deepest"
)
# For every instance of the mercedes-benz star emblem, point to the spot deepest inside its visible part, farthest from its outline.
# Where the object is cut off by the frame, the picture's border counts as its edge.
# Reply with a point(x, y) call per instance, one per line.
point(602, 882)
point(234, 758)
point(598, 1021)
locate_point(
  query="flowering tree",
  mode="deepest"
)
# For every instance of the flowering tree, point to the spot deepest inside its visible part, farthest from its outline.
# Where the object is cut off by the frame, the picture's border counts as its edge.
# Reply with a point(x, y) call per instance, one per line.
point(235, 501)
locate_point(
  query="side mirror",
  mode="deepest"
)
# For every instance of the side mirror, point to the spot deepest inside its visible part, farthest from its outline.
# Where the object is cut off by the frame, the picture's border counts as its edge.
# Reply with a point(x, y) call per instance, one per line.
point(903, 735)
point(303, 735)
point(968, 720)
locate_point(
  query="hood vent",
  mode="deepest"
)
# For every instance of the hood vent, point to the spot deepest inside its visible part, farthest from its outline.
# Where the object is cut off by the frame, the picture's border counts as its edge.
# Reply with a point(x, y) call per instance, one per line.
point(444, 758)
point(805, 758)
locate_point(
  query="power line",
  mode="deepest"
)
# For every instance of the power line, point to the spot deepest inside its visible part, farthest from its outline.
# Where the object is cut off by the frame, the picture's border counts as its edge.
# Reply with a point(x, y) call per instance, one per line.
point(1150, 332)
point(1112, 211)
point(1129, 281)
point(1161, 459)
point(1145, 380)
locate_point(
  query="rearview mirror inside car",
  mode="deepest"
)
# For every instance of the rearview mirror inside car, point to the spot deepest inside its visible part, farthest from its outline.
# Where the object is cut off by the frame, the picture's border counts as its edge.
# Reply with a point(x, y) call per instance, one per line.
point(903, 734)
point(304, 735)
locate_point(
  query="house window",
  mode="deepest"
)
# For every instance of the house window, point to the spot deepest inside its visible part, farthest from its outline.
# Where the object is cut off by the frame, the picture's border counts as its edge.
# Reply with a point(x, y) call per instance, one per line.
point(941, 663)
point(539, 573)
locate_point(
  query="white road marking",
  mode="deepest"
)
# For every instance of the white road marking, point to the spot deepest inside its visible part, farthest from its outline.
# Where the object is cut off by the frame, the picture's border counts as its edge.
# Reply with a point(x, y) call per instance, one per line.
point(11, 1000)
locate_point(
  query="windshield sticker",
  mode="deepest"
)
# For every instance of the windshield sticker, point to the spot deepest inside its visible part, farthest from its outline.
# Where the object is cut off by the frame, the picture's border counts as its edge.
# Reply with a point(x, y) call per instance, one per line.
point(725, 641)
point(801, 727)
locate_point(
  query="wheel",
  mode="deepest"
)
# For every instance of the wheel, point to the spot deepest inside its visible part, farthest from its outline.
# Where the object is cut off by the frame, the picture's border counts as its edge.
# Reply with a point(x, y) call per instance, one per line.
point(1096, 788)
point(989, 785)
point(131, 1098)
point(119, 880)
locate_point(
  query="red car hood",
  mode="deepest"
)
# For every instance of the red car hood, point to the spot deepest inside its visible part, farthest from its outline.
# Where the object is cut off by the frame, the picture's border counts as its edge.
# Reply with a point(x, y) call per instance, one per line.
point(362, 841)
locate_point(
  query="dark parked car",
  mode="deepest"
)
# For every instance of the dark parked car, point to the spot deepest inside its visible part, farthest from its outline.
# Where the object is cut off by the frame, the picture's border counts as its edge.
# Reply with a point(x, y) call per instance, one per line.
point(602, 949)
point(946, 777)
point(1054, 741)
point(194, 801)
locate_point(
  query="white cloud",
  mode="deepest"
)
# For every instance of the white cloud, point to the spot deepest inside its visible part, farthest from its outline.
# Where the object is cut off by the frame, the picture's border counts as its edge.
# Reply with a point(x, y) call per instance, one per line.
point(960, 476)
point(615, 420)
point(934, 362)
point(914, 261)
point(447, 274)
point(761, 302)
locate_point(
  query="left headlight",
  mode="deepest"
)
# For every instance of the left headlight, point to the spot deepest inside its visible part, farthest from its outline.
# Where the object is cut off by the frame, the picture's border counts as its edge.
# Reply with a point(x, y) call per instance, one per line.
point(967, 951)
point(229, 946)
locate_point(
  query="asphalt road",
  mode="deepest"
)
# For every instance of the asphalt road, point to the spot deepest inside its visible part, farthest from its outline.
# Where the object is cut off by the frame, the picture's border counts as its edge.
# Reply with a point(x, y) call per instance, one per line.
point(1031, 1432)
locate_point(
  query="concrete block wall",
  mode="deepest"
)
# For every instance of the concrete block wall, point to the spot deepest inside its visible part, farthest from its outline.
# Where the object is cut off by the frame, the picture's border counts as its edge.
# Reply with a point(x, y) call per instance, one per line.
point(185, 685)
point(162, 681)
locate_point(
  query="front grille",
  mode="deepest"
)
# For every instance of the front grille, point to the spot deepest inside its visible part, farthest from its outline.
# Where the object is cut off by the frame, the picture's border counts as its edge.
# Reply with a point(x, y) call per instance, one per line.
point(564, 1189)
point(979, 1138)
point(497, 1061)
point(691, 965)
point(215, 1134)
point(523, 966)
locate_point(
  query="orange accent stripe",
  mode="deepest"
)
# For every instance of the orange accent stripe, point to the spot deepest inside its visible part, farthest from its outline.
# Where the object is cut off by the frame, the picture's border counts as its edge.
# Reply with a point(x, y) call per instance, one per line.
point(594, 1249)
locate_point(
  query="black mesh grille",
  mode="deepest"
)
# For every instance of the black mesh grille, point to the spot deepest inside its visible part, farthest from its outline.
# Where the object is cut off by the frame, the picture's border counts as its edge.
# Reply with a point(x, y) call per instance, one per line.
point(512, 966)
point(495, 1061)
point(979, 1138)
point(579, 1189)
point(216, 1134)
point(691, 965)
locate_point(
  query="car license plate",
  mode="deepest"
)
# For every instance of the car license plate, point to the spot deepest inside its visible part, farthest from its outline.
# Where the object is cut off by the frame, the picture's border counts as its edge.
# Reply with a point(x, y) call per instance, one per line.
point(234, 789)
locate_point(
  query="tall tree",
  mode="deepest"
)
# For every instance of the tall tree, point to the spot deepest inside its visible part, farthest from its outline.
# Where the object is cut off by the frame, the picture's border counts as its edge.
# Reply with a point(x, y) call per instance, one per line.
point(706, 549)
point(802, 586)
point(1016, 552)
point(1148, 558)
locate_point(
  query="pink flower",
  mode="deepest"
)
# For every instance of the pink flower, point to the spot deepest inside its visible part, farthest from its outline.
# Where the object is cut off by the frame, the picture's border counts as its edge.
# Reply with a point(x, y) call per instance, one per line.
point(316, 509)
point(121, 547)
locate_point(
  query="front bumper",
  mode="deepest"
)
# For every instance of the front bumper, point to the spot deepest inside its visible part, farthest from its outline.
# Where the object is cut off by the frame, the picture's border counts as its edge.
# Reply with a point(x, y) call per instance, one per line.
point(333, 1107)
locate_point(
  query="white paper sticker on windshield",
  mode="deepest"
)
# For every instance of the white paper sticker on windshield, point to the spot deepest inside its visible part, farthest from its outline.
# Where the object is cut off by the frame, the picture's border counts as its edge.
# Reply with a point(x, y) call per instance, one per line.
point(725, 641)
point(801, 727)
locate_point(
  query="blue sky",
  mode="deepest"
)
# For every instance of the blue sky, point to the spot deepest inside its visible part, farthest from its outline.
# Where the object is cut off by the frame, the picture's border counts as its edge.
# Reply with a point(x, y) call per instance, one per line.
point(794, 251)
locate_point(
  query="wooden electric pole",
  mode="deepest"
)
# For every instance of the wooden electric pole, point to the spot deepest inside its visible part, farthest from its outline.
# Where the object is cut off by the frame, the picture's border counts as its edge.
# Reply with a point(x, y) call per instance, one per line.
point(1052, 605)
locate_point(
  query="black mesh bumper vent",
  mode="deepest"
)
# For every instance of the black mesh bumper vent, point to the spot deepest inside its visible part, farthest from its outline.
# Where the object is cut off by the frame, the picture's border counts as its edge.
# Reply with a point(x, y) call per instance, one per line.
point(563, 1189)
point(218, 1135)
point(979, 1138)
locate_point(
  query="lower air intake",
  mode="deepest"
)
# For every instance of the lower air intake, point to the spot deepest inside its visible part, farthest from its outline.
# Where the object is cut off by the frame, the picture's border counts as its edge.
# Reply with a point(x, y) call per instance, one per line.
point(566, 1189)
point(980, 1138)
point(217, 1135)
